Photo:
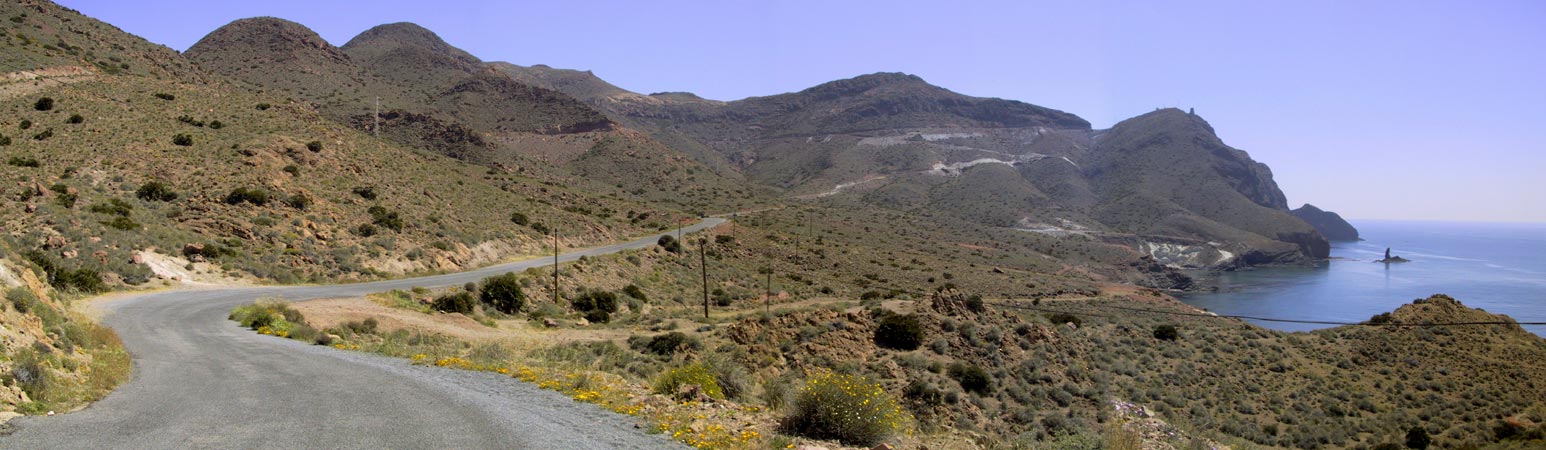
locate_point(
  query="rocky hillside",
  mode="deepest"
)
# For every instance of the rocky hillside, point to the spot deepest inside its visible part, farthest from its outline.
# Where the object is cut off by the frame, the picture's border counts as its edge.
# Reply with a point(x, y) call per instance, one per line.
point(1328, 223)
point(54, 358)
point(1162, 183)
point(180, 175)
point(434, 96)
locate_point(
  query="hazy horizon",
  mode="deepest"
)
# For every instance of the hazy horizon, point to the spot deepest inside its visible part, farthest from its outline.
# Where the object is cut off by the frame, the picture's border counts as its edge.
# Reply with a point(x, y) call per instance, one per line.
point(1357, 109)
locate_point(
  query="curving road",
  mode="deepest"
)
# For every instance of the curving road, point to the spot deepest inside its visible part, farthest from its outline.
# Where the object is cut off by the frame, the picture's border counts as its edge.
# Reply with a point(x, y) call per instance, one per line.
point(201, 381)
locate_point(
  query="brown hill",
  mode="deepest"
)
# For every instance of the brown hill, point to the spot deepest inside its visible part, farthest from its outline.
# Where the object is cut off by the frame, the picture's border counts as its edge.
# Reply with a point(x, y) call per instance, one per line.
point(1162, 183)
point(435, 96)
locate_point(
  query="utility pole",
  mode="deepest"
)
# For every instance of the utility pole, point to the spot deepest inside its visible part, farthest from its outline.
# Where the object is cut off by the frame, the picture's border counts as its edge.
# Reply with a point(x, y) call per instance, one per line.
point(375, 120)
point(767, 302)
point(703, 260)
point(555, 265)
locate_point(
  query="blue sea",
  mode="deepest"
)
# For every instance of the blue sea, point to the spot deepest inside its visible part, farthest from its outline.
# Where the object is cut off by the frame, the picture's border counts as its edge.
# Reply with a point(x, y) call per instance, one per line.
point(1500, 268)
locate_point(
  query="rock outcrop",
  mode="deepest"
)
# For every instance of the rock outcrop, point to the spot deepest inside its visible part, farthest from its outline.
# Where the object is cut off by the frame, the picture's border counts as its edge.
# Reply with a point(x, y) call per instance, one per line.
point(1328, 223)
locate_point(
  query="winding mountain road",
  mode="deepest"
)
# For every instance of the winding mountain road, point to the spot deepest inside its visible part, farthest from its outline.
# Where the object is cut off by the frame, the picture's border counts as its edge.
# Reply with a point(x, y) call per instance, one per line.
point(202, 381)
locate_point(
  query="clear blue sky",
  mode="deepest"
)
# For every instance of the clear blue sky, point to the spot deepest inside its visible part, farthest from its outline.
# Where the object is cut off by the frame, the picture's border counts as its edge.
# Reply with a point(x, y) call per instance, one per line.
point(1378, 110)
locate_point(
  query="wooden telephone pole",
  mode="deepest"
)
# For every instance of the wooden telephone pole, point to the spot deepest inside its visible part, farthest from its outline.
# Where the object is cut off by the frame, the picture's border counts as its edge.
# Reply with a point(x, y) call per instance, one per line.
point(703, 260)
point(555, 265)
point(375, 120)
point(767, 302)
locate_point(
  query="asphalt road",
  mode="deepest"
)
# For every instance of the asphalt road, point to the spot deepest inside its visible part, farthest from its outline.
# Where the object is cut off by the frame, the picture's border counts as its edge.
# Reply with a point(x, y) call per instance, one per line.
point(201, 381)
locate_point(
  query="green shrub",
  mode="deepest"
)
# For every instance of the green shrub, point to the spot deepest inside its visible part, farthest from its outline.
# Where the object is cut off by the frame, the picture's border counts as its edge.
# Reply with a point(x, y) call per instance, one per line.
point(66, 199)
point(23, 161)
point(122, 223)
point(155, 191)
point(165, 96)
point(665, 344)
point(598, 316)
point(30, 370)
point(596, 303)
point(519, 218)
point(181, 139)
point(5, 140)
point(293, 170)
point(632, 290)
point(210, 250)
point(315, 146)
point(190, 120)
point(1166, 333)
point(672, 381)
point(386, 219)
point(264, 106)
point(733, 379)
point(365, 230)
point(48, 133)
point(75, 118)
point(274, 314)
point(215, 125)
point(366, 192)
point(460, 302)
point(1062, 318)
point(257, 197)
point(540, 228)
point(44, 104)
point(503, 293)
point(1417, 438)
point(304, 333)
point(25, 124)
point(298, 201)
point(971, 377)
point(899, 332)
point(83, 280)
point(114, 207)
point(846, 408)
point(367, 326)
point(670, 244)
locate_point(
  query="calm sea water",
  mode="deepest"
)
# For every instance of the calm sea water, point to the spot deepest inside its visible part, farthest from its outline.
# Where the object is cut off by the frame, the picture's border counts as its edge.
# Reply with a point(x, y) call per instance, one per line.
point(1500, 268)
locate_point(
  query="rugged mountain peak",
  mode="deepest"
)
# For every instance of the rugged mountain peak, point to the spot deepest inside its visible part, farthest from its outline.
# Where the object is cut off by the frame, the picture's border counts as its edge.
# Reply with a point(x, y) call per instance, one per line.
point(1171, 119)
point(581, 84)
point(270, 38)
point(1328, 223)
point(405, 36)
point(1174, 137)
point(862, 83)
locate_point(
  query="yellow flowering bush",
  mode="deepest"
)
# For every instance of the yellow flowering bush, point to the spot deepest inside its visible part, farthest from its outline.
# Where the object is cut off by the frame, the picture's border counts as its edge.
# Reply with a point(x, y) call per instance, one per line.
point(695, 373)
point(847, 408)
